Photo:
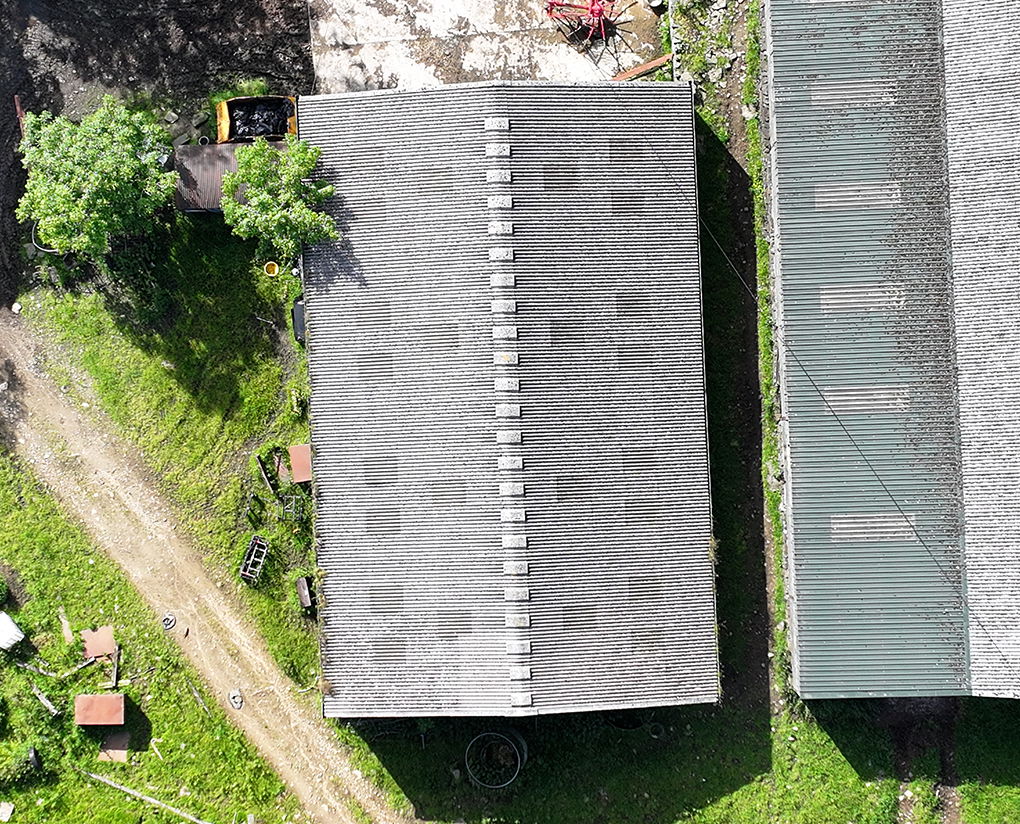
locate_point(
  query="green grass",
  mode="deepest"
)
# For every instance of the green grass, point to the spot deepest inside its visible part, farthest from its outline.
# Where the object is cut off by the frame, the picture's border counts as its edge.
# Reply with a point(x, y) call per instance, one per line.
point(207, 767)
point(181, 358)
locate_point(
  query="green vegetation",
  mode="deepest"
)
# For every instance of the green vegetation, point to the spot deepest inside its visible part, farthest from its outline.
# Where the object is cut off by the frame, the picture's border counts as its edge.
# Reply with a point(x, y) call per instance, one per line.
point(193, 761)
point(95, 181)
point(189, 351)
point(275, 207)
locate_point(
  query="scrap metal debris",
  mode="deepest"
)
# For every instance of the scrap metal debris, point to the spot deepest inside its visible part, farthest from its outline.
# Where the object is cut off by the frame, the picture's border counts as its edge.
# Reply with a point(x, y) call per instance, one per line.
point(198, 697)
point(147, 799)
point(81, 666)
point(99, 643)
point(38, 693)
point(236, 699)
point(169, 621)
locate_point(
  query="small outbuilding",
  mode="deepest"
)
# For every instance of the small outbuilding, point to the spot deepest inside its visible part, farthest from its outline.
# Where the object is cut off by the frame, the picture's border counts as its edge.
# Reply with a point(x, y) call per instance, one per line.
point(200, 170)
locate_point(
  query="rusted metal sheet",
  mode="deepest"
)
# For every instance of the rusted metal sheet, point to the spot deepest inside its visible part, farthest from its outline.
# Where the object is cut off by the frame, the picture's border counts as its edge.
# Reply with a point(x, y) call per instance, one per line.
point(99, 710)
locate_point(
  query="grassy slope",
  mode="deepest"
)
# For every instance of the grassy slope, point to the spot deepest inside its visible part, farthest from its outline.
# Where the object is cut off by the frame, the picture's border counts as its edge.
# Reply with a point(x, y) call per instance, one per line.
point(207, 769)
point(182, 363)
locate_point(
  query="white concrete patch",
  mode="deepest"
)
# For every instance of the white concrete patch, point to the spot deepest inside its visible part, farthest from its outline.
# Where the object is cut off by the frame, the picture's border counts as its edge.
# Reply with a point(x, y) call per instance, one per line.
point(419, 43)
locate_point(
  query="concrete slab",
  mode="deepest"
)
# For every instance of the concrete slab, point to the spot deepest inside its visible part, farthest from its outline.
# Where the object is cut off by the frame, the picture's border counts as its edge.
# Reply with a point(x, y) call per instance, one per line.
point(375, 44)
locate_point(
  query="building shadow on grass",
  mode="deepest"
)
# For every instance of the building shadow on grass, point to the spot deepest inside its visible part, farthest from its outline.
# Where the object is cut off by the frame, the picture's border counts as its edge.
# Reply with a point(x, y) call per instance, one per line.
point(582, 768)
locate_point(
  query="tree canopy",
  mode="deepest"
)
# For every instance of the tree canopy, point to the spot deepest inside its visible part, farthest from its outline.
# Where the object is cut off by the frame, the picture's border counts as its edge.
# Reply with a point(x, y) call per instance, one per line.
point(270, 198)
point(92, 181)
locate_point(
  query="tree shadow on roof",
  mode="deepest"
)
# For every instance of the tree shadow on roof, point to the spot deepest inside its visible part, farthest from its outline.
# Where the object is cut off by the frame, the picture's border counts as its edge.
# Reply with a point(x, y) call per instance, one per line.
point(581, 768)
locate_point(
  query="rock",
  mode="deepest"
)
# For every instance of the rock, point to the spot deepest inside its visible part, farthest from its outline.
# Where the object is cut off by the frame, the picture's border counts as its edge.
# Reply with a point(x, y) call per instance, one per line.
point(199, 119)
point(30, 250)
point(715, 75)
point(748, 112)
point(908, 794)
point(171, 117)
point(182, 139)
point(16, 308)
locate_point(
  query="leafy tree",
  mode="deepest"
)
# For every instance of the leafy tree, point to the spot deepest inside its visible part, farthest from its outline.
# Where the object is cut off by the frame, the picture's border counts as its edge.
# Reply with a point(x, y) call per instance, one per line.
point(92, 181)
point(270, 198)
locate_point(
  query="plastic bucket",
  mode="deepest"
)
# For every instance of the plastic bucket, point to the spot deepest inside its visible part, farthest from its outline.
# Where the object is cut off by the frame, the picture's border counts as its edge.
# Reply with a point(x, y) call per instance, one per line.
point(272, 268)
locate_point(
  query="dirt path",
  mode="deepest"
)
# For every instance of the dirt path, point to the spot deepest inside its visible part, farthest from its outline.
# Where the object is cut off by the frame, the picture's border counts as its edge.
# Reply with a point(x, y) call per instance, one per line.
point(101, 482)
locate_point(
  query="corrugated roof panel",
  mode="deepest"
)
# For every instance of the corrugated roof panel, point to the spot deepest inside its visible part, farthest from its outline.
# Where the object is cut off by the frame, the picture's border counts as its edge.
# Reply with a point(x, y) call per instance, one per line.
point(547, 504)
point(859, 200)
point(982, 54)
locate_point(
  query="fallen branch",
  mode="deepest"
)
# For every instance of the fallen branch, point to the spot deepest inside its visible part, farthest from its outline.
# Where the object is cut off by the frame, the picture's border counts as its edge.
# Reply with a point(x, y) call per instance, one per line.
point(44, 700)
point(147, 799)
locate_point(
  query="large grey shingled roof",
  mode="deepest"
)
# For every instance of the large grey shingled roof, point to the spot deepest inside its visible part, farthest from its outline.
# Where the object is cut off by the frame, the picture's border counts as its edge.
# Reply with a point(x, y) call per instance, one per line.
point(508, 410)
point(895, 203)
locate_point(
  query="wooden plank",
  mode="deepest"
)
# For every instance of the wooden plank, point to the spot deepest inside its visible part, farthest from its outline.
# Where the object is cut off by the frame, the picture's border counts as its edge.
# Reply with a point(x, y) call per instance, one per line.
point(644, 68)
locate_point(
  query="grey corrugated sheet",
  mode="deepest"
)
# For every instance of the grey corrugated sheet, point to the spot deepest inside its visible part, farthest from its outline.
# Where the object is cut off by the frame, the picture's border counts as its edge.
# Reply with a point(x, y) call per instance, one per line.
point(859, 201)
point(982, 56)
point(603, 597)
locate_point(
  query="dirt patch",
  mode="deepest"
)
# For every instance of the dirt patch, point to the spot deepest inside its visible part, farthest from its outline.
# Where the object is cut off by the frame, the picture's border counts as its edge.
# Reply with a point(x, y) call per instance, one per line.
point(101, 481)
point(63, 55)
point(17, 595)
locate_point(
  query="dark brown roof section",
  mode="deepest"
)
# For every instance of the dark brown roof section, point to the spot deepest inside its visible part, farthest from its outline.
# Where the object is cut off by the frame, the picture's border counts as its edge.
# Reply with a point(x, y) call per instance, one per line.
point(200, 171)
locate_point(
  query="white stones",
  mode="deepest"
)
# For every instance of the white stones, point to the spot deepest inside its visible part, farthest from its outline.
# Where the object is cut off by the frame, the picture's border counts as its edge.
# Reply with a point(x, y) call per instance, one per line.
point(515, 542)
point(505, 436)
point(502, 279)
point(501, 227)
point(520, 699)
point(501, 253)
point(504, 333)
point(504, 307)
point(506, 384)
point(497, 150)
point(515, 568)
point(510, 462)
point(497, 176)
point(513, 516)
point(520, 673)
point(511, 489)
point(497, 124)
point(517, 621)
point(500, 201)
point(518, 647)
point(508, 410)
point(504, 359)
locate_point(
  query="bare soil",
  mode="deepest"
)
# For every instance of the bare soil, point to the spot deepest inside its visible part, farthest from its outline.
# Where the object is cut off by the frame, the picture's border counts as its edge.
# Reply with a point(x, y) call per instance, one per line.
point(101, 482)
point(63, 55)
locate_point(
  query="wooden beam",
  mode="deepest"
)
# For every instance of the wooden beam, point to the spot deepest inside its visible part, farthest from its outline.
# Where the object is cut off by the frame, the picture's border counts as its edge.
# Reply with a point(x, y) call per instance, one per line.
point(644, 68)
